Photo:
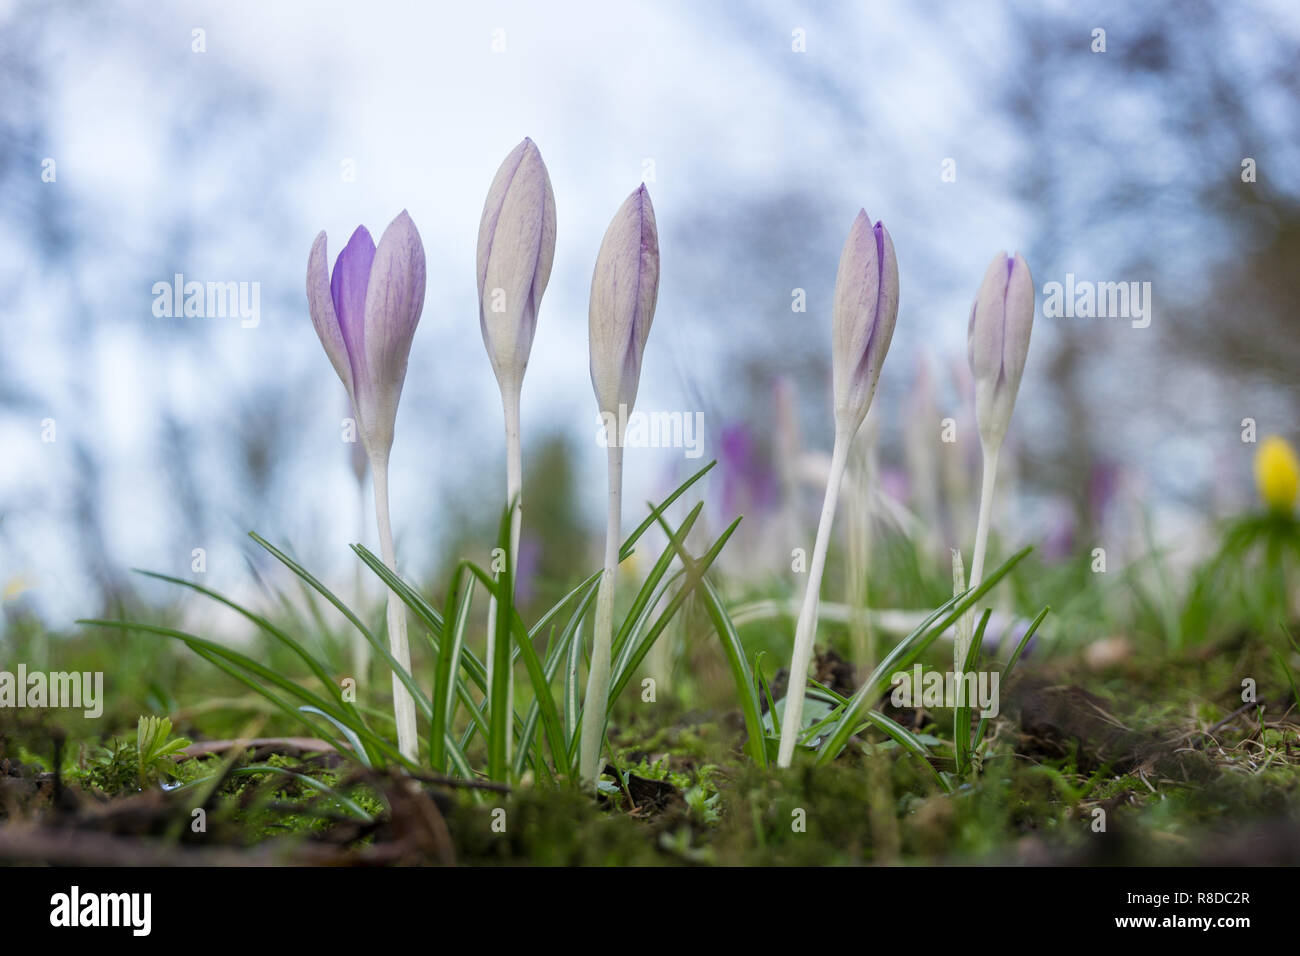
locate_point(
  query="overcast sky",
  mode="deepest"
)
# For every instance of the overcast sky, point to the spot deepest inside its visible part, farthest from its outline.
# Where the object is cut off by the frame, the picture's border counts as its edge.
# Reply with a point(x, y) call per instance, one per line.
point(422, 102)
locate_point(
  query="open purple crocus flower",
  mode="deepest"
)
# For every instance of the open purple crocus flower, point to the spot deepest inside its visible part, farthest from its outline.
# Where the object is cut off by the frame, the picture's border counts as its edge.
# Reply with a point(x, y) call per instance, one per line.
point(366, 314)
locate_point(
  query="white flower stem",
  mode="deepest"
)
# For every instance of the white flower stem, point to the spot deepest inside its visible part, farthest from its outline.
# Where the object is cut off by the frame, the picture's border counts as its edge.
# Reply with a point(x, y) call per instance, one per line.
point(403, 702)
point(962, 636)
point(514, 495)
point(806, 629)
point(982, 530)
point(360, 646)
point(597, 698)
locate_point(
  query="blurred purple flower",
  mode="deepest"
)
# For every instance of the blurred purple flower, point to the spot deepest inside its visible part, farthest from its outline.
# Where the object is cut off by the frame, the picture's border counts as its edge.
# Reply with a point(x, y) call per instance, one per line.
point(526, 568)
point(749, 483)
point(1103, 490)
point(896, 483)
point(1058, 544)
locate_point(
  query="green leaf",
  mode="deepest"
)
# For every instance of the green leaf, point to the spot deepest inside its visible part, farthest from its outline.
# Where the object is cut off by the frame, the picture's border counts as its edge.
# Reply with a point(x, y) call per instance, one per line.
point(982, 727)
point(904, 653)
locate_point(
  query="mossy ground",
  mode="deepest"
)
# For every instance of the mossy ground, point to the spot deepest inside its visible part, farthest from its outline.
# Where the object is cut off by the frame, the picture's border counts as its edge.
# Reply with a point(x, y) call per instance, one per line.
point(1181, 780)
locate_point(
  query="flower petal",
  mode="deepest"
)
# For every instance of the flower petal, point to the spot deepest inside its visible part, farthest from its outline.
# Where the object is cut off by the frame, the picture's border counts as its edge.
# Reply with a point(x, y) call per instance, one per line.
point(864, 311)
point(348, 288)
point(320, 304)
point(624, 292)
point(998, 342)
point(394, 301)
point(516, 247)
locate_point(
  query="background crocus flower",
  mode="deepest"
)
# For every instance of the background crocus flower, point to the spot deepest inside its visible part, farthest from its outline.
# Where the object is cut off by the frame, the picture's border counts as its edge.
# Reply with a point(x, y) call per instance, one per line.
point(998, 342)
point(1277, 474)
point(516, 246)
point(365, 314)
point(997, 346)
point(863, 313)
point(624, 291)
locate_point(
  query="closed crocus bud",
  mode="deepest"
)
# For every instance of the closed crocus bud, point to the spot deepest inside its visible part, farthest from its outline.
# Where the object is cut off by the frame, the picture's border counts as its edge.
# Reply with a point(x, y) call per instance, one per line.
point(365, 314)
point(863, 316)
point(516, 246)
point(862, 324)
point(998, 342)
point(624, 290)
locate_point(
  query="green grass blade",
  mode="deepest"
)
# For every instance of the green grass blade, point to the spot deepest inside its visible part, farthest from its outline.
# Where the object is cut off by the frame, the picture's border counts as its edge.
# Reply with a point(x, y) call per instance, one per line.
point(402, 674)
point(909, 742)
point(306, 780)
point(961, 742)
point(695, 571)
point(904, 653)
point(641, 529)
point(982, 727)
point(643, 604)
point(312, 663)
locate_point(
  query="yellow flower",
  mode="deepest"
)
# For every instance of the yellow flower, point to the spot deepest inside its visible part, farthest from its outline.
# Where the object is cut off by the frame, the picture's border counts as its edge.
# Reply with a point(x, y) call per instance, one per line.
point(1277, 473)
point(13, 588)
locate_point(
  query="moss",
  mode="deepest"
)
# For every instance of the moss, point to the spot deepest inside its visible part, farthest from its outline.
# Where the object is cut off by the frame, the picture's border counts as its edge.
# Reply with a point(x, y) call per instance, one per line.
point(550, 827)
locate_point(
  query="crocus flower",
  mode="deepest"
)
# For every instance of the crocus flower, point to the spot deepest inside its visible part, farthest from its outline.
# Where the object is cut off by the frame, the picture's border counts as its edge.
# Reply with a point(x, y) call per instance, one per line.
point(998, 342)
point(624, 290)
point(1277, 474)
point(863, 313)
point(516, 246)
point(997, 345)
point(365, 314)
point(749, 483)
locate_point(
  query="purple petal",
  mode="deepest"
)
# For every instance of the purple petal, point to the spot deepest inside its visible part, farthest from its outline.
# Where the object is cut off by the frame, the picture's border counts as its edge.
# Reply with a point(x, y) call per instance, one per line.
point(320, 304)
point(348, 289)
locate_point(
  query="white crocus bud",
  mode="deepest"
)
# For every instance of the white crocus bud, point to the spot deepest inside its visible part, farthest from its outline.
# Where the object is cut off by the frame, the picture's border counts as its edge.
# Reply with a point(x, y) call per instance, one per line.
point(624, 290)
point(516, 246)
point(863, 314)
point(997, 345)
point(998, 342)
